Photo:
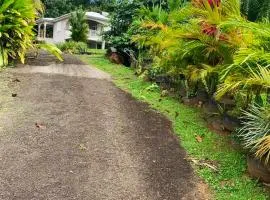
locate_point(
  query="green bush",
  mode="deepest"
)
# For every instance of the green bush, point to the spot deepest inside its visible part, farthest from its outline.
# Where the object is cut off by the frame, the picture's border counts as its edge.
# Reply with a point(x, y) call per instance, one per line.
point(79, 26)
point(73, 47)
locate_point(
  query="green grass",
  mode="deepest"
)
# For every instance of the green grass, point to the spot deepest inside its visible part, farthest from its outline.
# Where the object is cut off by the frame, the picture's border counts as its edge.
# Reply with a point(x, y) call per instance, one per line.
point(97, 51)
point(231, 180)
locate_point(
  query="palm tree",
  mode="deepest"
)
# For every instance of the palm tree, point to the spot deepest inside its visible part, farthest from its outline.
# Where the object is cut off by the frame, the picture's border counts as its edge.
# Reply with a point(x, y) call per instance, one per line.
point(249, 74)
point(79, 26)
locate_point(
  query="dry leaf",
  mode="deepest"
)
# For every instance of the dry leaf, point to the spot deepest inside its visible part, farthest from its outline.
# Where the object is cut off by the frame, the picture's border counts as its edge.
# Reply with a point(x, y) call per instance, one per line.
point(16, 80)
point(40, 126)
point(203, 163)
point(199, 138)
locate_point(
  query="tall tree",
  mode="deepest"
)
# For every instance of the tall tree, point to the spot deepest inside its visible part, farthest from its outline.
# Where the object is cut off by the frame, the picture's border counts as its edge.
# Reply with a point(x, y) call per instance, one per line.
point(79, 26)
point(56, 8)
point(121, 19)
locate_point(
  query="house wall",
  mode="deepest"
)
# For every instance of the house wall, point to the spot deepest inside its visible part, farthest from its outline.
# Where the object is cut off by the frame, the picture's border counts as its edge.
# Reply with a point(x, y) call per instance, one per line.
point(61, 31)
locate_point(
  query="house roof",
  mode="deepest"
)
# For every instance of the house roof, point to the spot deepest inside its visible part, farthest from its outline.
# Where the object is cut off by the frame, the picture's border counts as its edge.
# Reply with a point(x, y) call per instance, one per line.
point(96, 15)
point(102, 18)
point(49, 20)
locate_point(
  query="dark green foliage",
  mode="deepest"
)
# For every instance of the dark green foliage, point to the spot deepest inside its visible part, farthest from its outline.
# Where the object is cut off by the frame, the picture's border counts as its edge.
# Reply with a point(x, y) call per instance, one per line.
point(56, 8)
point(79, 26)
point(121, 18)
point(101, 5)
point(256, 9)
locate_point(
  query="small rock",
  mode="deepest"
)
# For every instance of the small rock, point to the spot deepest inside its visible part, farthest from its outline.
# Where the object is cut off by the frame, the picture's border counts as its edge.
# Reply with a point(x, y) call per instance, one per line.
point(116, 58)
point(200, 104)
point(16, 80)
point(164, 93)
point(40, 125)
point(14, 95)
point(217, 125)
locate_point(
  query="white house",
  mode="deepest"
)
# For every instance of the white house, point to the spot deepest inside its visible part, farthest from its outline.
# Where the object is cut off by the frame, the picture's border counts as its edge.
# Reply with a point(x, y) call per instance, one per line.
point(56, 30)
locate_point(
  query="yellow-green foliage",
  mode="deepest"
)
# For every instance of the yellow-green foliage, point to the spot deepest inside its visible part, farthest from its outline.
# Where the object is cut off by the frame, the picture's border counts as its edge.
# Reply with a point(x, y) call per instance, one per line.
point(17, 19)
point(215, 46)
point(209, 44)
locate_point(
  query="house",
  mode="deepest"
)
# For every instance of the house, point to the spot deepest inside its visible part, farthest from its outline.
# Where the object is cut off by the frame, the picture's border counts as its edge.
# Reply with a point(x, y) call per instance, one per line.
point(57, 30)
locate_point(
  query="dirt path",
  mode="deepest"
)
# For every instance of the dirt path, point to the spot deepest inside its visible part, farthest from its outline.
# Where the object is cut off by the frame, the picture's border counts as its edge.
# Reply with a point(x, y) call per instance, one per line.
point(71, 134)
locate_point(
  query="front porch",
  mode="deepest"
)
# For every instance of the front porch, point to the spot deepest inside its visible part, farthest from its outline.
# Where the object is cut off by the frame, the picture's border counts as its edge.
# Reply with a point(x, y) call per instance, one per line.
point(45, 31)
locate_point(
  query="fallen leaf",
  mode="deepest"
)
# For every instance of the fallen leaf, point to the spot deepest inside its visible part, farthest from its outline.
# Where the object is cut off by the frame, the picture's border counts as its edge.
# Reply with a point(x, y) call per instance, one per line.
point(16, 80)
point(203, 163)
point(199, 138)
point(40, 125)
point(200, 104)
point(226, 183)
point(82, 147)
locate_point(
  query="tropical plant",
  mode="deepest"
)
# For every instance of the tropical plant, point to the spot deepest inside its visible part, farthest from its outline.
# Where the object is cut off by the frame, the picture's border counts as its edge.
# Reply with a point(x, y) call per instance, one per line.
point(17, 19)
point(190, 41)
point(249, 74)
point(255, 133)
point(79, 26)
point(252, 83)
point(73, 47)
point(51, 48)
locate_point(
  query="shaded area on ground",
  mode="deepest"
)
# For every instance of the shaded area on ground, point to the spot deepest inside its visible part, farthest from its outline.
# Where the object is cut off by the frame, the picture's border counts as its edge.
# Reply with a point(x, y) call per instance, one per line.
point(44, 59)
point(72, 137)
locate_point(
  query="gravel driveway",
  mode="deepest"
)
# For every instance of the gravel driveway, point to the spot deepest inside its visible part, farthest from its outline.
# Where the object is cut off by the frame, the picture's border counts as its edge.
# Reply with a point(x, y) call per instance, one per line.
point(68, 133)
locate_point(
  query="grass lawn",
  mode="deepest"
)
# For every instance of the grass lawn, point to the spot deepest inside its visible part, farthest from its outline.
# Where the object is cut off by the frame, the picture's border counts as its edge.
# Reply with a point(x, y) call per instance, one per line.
point(230, 181)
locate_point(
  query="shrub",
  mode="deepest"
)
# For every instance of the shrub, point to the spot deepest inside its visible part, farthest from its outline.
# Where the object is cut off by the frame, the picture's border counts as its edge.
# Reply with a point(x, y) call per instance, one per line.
point(81, 48)
point(73, 47)
point(79, 26)
point(255, 133)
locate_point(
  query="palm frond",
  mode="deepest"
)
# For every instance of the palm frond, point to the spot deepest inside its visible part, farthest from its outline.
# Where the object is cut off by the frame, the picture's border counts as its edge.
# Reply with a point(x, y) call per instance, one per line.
point(253, 80)
point(51, 48)
point(255, 130)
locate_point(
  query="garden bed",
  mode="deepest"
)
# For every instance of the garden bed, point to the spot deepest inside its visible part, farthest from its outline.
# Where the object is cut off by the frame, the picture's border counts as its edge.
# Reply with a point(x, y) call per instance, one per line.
point(223, 167)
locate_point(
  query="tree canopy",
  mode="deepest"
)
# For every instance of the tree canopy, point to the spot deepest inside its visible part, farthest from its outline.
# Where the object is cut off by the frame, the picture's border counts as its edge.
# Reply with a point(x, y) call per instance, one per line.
point(56, 8)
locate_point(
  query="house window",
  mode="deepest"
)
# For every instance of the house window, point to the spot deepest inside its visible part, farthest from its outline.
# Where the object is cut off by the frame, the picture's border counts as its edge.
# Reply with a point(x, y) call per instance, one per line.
point(93, 25)
point(67, 25)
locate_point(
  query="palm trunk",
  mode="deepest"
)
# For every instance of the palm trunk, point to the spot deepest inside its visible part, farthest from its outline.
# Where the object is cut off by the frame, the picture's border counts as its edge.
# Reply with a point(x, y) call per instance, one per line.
point(268, 96)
